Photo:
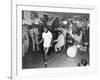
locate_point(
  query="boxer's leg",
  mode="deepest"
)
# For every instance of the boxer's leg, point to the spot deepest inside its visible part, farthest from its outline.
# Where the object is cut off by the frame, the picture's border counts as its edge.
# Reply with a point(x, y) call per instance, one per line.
point(45, 55)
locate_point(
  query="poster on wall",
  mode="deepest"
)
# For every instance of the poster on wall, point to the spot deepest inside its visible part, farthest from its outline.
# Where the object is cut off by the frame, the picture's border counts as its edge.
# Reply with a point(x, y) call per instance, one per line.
point(52, 40)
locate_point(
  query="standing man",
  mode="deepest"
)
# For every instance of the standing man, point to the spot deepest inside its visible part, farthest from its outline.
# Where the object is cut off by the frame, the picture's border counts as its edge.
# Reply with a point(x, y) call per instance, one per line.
point(46, 39)
point(33, 38)
point(25, 40)
point(36, 32)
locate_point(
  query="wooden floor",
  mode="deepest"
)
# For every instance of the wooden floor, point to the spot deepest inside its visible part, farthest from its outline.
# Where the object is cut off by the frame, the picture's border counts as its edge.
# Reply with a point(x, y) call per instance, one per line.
point(60, 59)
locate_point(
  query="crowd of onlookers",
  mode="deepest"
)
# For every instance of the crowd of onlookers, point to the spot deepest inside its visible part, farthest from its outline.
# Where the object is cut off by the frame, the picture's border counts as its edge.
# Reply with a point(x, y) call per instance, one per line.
point(64, 33)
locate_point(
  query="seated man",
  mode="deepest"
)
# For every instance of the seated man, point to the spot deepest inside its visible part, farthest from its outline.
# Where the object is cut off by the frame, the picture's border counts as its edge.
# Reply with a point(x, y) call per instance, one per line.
point(78, 39)
point(60, 41)
point(77, 36)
